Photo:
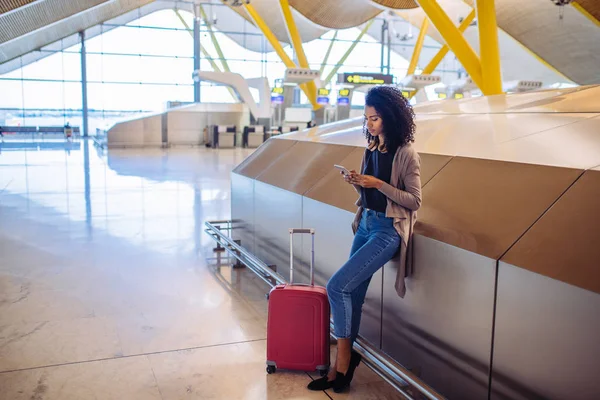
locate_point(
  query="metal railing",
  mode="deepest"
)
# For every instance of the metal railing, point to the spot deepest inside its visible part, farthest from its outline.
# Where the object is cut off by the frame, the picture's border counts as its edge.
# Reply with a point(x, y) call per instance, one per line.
point(397, 376)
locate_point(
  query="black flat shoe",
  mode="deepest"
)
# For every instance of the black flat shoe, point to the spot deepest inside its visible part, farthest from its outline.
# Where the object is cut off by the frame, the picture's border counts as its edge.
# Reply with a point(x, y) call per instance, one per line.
point(320, 384)
point(342, 381)
point(355, 360)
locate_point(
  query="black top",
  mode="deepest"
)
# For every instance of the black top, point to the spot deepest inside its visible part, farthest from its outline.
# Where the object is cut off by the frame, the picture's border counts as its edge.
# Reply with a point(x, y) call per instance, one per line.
point(379, 165)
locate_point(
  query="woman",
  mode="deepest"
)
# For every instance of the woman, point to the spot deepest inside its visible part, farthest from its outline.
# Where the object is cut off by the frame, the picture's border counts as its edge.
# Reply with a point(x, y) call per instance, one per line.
point(390, 190)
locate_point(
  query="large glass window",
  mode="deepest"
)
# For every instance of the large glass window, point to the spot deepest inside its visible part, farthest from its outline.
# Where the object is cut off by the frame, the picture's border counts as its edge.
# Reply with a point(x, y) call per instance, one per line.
point(135, 68)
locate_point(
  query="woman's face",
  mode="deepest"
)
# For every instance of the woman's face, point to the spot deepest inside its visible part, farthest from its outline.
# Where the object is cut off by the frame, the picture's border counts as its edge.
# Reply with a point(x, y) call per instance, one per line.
point(374, 123)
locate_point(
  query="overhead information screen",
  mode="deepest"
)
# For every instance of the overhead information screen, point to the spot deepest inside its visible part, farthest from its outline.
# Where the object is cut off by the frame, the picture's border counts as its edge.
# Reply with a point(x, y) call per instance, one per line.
point(277, 95)
point(362, 78)
point(343, 97)
point(323, 96)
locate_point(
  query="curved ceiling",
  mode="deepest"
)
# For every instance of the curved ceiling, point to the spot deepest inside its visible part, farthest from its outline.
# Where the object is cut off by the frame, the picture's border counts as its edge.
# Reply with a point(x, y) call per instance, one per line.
point(592, 7)
point(37, 37)
point(571, 45)
point(518, 62)
point(270, 11)
point(397, 4)
point(336, 14)
point(40, 14)
point(8, 5)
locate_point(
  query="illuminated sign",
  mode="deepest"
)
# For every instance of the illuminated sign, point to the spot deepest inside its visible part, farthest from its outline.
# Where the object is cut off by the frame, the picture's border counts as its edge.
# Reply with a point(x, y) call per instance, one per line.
point(277, 95)
point(323, 96)
point(442, 95)
point(343, 97)
point(458, 95)
point(407, 93)
point(277, 99)
point(362, 78)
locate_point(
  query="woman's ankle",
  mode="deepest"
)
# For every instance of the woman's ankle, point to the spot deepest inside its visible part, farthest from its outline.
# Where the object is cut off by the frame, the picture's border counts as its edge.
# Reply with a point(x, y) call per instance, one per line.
point(331, 374)
point(344, 353)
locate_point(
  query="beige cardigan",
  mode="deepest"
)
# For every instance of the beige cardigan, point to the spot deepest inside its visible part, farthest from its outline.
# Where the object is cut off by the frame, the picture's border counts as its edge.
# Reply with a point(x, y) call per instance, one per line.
point(403, 200)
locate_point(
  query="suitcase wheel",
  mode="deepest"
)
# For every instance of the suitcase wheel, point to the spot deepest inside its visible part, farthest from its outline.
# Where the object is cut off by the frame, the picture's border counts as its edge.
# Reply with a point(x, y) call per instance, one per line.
point(271, 369)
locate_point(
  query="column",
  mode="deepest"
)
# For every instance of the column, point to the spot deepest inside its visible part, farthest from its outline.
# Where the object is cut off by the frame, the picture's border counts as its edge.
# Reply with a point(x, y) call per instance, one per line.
point(84, 105)
point(197, 50)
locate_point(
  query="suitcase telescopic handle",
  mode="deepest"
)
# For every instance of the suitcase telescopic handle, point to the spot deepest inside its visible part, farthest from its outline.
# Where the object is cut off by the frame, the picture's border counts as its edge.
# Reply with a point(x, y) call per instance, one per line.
point(312, 253)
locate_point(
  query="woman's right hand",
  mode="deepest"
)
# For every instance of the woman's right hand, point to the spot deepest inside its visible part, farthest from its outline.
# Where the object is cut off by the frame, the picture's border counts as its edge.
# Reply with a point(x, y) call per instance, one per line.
point(348, 178)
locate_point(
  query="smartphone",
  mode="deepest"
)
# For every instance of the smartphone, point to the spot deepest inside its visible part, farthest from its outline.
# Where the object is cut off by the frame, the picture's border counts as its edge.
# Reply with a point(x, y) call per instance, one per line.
point(343, 169)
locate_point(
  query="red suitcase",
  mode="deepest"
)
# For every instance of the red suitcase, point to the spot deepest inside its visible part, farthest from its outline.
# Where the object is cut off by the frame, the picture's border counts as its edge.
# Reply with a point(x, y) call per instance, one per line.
point(298, 322)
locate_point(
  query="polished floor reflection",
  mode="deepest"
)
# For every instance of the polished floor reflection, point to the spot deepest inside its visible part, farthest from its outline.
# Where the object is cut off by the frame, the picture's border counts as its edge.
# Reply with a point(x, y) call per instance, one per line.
point(109, 288)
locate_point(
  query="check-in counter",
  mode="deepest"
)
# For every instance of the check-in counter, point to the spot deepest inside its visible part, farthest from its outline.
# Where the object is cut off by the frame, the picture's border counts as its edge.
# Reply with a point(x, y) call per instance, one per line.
point(222, 136)
point(504, 298)
point(253, 136)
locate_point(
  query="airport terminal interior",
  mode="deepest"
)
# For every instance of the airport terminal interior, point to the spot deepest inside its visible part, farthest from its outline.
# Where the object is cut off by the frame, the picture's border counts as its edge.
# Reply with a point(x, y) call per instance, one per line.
point(154, 155)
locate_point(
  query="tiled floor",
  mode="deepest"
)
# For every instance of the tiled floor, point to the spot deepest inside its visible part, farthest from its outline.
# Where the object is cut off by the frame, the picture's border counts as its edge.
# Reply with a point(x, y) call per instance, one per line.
point(109, 288)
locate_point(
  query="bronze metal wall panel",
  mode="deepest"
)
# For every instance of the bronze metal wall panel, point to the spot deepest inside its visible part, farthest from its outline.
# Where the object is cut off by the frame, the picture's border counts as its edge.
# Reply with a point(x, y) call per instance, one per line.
point(485, 206)
point(431, 164)
point(242, 209)
point(564, 243)
point(546, 339)
point(263, 157)
point(442, 328)
point(303, 166)
point(577, 101)
point(498, 136)
point(333, 240)
point(333, 190)
point(571, 143)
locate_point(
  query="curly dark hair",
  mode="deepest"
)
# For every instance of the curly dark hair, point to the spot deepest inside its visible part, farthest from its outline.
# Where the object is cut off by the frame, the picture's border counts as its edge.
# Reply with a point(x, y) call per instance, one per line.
point(396, 114)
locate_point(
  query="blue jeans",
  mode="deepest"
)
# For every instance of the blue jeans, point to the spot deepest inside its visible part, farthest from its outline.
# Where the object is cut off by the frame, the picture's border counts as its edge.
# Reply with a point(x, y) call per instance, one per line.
point(375, 243)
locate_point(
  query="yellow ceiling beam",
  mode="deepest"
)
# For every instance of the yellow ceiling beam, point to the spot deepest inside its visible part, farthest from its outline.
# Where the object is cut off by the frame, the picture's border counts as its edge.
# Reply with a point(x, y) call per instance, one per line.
point(488, 47)
point(287, 61)
point(453, 37)
point(293, 33)
point(418, 46)
point(437, 59)
point(296, 41)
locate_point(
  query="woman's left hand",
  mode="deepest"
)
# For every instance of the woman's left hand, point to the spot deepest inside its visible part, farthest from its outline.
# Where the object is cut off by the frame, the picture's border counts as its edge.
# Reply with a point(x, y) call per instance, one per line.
point(366, 181)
